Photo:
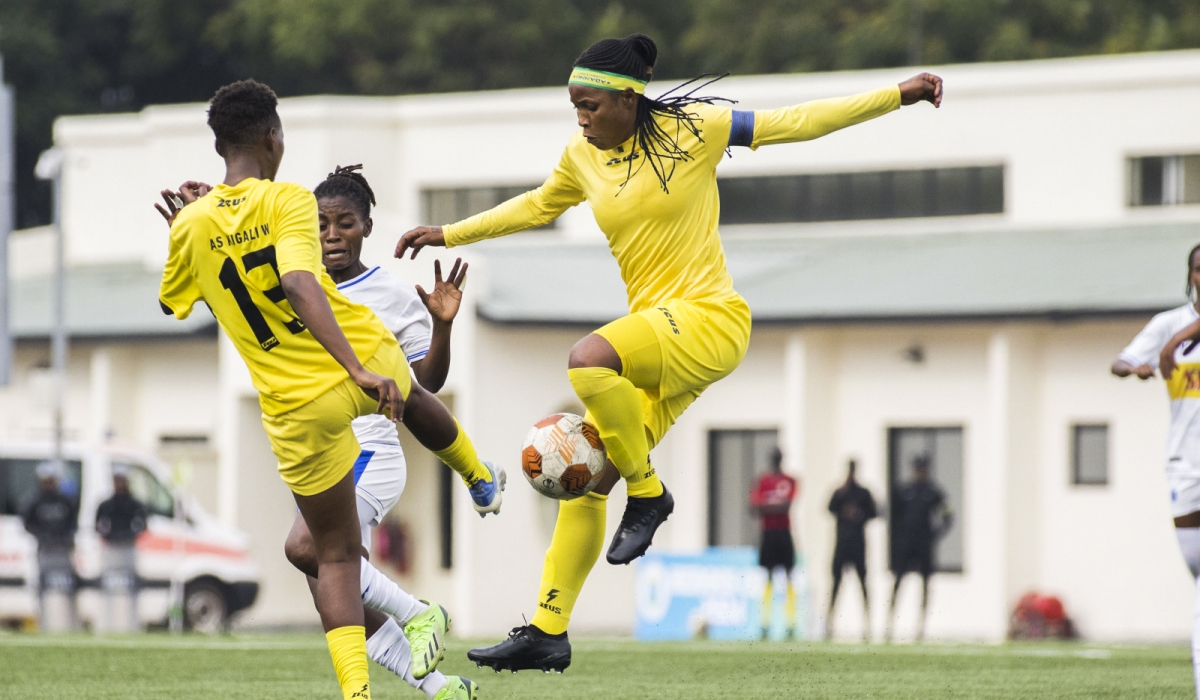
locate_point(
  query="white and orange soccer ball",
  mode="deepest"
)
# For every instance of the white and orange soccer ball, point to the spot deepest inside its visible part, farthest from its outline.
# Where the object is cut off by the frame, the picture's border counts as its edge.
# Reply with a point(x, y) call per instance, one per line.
point(563, 457)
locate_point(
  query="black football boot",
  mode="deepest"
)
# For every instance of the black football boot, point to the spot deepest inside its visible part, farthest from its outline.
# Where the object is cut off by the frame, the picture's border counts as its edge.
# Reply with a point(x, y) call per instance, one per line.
point(527, 648)
point(638, 525)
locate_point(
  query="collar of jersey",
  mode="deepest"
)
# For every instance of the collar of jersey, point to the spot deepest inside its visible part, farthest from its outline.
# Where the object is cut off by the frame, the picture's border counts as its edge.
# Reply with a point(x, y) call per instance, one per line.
point(248, 182)
point(360, 278)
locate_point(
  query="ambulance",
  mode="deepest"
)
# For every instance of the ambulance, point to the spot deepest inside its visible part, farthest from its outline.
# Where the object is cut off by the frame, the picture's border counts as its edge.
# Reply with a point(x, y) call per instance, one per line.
point(207, 564)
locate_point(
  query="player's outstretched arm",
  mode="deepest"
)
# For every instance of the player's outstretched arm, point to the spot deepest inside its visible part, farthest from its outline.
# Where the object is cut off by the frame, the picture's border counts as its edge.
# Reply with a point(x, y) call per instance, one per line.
point(311, 305)
point(811, 120)
point(1166, 358)
point(1123, 369)
point(443, 304)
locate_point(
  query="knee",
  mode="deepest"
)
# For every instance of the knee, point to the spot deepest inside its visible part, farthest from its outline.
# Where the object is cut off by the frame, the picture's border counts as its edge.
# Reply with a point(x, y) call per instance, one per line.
point(594, 351)
point(300, 551)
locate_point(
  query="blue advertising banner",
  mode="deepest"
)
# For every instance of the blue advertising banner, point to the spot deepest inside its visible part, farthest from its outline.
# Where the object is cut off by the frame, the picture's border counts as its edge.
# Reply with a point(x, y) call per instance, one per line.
point(715, 594)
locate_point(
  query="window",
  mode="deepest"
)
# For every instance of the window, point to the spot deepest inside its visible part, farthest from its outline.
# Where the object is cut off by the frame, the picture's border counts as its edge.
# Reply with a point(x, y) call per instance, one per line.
point(942, 448)
point(145, 487)
point(446, 206)
point(1089, 454)
point(18, 481)
point(1163, 181)
point(736, 458)
point(883, 194)
point(446, 480)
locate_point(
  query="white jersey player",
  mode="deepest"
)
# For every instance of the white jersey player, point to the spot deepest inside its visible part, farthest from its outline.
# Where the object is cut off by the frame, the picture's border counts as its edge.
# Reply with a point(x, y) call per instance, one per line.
point(1163, 345)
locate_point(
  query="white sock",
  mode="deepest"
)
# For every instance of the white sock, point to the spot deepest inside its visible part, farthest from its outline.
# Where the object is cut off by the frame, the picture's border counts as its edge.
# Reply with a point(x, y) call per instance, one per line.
point(382, 593)
point(389, 648)
point(1189, 544)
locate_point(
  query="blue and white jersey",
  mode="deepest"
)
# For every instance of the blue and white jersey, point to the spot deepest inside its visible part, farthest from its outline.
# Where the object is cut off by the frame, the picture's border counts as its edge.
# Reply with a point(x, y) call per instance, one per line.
point(398, 306)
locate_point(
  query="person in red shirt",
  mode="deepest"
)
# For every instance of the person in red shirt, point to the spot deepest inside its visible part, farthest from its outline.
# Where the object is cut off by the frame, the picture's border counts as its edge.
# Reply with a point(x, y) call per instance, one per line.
point(771, 499)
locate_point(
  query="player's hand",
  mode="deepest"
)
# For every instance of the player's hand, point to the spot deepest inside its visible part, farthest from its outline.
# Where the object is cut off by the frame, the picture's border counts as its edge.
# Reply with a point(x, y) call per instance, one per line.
point(188, 192)
point(1166, 361)
point(418, 238)
point(192, 190)
point(385, 391)
point(1143, 372)
point(446, 297)
point(925, 87)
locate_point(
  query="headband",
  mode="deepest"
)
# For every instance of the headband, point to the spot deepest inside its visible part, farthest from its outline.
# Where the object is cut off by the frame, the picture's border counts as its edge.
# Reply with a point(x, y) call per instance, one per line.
point(605, 81)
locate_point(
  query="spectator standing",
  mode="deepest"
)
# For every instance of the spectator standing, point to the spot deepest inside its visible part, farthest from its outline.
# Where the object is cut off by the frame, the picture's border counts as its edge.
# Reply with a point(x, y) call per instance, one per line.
point(853, 506)
point(119, 521)
point(919, 518)
point(53, 517)
point(772, 499)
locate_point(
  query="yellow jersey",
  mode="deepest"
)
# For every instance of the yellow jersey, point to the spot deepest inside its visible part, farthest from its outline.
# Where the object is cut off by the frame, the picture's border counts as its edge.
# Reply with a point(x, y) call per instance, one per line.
point(230, 249)
point(666, 243)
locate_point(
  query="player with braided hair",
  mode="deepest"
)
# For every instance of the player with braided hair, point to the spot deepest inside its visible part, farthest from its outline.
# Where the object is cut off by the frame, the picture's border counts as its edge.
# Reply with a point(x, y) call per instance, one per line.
point(687, 327)
point(405, 635)
point(250, 248)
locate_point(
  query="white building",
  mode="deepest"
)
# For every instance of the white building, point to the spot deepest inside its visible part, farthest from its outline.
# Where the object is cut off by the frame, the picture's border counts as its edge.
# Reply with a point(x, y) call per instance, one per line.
point(952, 282)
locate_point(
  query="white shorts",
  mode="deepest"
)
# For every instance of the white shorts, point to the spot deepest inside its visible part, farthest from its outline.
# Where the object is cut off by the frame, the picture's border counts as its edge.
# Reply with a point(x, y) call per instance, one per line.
point(379, 475)
point(1185, 492)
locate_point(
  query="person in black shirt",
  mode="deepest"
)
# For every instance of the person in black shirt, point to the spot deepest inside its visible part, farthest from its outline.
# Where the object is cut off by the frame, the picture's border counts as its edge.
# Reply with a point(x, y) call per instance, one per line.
point(119, 520)
point(52, 517)
point(853, 506)
point(919, 518)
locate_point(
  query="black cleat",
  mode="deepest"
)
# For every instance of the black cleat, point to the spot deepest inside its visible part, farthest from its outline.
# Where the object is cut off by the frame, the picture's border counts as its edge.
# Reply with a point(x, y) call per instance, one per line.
point(638, 525)
point(527, 648)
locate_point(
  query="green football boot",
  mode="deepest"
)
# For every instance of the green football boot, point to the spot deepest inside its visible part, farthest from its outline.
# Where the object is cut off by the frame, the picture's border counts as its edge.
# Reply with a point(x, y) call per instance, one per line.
point(426, 634)
point(458, 689)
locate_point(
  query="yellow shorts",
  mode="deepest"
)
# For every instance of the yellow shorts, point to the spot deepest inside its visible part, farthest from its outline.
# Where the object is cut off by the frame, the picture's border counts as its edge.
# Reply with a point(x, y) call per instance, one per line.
point(314, 443)
point(674, 352)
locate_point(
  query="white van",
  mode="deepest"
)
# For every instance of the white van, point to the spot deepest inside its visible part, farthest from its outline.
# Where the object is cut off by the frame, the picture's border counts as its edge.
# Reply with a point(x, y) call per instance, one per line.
point(181, 540)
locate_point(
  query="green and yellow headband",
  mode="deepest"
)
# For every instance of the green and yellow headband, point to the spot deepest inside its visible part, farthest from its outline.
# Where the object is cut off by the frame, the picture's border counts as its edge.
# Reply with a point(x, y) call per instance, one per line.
point(606, 81)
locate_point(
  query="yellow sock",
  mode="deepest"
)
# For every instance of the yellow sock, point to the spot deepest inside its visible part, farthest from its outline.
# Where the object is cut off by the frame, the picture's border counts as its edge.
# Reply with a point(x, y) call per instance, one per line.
point(574, 549)
point(790, 605)
point(348, 647)
point(767, 604)
point(460, 456)
point(617, 407)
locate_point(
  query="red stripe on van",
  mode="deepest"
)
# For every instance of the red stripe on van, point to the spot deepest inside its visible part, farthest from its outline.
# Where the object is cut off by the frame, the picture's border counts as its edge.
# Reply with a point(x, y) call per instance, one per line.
point(150, 542)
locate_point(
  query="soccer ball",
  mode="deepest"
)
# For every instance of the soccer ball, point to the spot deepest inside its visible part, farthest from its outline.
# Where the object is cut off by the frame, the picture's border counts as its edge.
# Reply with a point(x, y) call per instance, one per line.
point(563, 457)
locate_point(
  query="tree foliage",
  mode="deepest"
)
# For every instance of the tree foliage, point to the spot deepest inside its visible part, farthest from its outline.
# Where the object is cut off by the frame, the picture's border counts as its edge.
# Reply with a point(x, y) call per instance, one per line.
point(87, 56)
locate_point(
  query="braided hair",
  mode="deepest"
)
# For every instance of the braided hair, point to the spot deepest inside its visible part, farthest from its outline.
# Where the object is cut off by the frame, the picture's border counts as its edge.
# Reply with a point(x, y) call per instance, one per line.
point(346, 181)
point(1191, 257)
point(634, 56)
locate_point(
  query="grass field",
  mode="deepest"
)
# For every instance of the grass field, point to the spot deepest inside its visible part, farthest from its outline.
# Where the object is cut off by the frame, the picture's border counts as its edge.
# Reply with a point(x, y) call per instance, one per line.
point(270, 667)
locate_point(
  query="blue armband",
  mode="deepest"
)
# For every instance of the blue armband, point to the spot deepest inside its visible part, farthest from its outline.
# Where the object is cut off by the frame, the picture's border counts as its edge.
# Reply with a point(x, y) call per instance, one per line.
point(741, 130)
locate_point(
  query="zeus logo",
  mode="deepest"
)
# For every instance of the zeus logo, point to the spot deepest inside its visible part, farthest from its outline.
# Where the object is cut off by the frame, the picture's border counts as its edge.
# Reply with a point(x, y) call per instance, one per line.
point(550, 596)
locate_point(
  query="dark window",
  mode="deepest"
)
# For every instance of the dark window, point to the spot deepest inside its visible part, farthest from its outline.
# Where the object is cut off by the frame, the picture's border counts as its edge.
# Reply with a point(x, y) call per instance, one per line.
point(448, 205)
point(18, 481)
point(943, 447)
point(1089, 455)
point(882, 194)
point(1163, 181)
point(736, 458)
point(446, 479)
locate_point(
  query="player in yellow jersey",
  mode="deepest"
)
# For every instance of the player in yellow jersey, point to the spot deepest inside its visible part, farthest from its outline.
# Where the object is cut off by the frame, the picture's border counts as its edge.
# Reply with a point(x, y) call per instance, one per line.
point(250, 250)
point(647, 168)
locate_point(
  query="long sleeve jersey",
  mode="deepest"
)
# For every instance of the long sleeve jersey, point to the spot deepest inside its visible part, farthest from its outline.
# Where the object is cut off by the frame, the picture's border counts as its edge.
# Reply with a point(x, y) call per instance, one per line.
point(666, 242)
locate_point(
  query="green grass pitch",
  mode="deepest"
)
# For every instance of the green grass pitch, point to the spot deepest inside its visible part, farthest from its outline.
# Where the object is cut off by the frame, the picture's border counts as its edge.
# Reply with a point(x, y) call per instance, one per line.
point(298, 666)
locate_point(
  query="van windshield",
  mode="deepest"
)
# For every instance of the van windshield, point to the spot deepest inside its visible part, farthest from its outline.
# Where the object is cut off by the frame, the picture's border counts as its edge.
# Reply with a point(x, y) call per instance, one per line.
point(145, 487)
point(18, 482)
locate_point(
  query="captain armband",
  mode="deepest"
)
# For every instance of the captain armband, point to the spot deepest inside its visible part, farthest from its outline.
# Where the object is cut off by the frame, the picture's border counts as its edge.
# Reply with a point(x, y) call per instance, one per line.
point(741, 130)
